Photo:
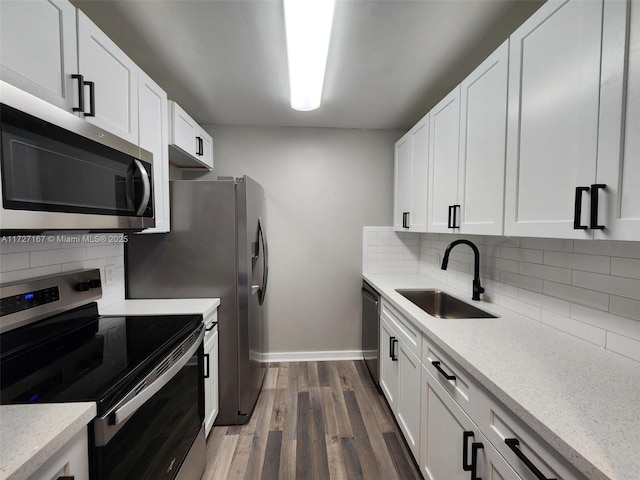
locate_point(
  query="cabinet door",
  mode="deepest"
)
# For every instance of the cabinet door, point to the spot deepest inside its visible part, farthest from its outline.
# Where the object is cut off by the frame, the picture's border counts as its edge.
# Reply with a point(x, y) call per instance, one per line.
point(183, 130)
point(38, 49)
point(115, 79)
point(402, 190)
point(619, 141)
point(419, 175)
point(211, 400)
point(153, 118)
point(408, 414)
point(443, 424)
point(483, 131)
point(205, 155)
point(389, 369)
point(554, 83)
point(443, 162)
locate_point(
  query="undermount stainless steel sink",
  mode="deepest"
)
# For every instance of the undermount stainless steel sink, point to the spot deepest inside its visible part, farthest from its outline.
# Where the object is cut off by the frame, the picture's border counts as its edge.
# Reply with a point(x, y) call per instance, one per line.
point(442, 305)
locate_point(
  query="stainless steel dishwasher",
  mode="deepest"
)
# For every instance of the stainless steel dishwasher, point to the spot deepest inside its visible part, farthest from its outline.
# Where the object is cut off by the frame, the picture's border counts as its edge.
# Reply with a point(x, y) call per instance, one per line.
point(371, 330)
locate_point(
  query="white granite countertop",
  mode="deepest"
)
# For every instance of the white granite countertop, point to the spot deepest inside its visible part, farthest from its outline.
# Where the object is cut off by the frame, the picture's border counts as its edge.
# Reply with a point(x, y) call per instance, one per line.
point(163, 306)
point(31, 434)
point(581, 399)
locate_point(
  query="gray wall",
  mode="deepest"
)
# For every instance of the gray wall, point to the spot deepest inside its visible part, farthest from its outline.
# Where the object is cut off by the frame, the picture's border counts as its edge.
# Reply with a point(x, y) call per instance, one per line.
point(322, 186)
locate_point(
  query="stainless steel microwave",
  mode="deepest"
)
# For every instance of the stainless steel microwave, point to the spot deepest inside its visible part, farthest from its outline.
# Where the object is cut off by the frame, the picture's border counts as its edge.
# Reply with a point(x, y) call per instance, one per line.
point(59, 172)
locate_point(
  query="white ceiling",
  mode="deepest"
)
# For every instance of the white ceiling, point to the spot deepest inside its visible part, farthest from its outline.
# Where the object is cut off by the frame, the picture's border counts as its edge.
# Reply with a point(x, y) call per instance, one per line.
point(389, 61)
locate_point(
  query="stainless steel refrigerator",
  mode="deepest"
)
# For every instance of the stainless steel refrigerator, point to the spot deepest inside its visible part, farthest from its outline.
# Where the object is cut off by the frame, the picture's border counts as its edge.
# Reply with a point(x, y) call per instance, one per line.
point(216, 248)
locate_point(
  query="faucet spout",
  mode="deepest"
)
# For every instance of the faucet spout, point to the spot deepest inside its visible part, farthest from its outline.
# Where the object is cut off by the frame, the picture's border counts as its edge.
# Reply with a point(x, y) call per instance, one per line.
point(477, 287)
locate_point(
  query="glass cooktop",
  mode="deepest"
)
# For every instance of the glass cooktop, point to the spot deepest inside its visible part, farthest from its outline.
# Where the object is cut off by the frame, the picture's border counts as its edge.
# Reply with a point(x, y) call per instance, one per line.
point(81, 356)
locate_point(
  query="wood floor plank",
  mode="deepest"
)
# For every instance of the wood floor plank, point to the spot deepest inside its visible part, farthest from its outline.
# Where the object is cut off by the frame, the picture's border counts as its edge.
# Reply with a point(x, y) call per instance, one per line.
point(351, 459)
point(314, 381)
point(271, 465)
point(279, 410)
point(329, 411)
point(288, 460)
point(255, 464)
point(303, 438)
point(363, 445)
point(323, 374)
point(337, 468)
point(303, 377)
point(240, 458)
point(406, 470)
point(340, 407)
point(345, 376)
point(219, 458)
point(320, 463)
point(270, 379)
point(283, 376)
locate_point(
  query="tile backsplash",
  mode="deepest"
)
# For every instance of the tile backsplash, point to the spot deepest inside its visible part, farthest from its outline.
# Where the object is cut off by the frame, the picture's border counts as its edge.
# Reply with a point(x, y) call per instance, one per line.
point(589, 289)
point(25, 257)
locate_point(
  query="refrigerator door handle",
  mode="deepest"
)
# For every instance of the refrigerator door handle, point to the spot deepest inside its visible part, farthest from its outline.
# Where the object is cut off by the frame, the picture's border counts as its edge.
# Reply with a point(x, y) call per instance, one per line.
point(255, 289)
point(265, 262)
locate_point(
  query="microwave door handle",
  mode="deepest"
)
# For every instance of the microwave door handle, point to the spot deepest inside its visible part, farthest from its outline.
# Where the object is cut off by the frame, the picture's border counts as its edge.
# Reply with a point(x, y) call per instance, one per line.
point(146, 188)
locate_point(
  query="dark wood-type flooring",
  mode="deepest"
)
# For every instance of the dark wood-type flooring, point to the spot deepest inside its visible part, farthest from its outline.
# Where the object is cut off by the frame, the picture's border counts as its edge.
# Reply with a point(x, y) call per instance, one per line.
point(313, 420)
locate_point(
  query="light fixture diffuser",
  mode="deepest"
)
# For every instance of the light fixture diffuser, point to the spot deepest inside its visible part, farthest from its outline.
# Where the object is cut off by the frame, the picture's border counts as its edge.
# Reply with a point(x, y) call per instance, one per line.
point(308, 29)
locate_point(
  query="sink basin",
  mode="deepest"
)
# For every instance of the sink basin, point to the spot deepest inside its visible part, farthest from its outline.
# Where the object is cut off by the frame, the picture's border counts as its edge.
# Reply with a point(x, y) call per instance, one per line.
point(442, 305)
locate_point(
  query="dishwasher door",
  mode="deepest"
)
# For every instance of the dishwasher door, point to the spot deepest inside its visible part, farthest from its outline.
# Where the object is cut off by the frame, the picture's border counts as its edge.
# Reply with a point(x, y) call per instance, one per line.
point(371, 330)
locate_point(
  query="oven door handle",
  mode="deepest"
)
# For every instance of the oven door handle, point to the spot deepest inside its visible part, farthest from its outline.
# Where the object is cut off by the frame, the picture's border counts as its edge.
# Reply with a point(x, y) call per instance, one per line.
point(107, 426)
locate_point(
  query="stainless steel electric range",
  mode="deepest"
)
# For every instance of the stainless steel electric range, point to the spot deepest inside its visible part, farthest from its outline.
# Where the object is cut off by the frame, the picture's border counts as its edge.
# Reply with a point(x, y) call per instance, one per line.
point(144, 373)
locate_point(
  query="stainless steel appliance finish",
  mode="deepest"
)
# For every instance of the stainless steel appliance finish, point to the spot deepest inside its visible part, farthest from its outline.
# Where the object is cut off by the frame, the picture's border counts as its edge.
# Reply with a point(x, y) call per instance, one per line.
point(144, 374)
point(442, 305)
point(216, 248)
point(371, 330)
point(63, 173)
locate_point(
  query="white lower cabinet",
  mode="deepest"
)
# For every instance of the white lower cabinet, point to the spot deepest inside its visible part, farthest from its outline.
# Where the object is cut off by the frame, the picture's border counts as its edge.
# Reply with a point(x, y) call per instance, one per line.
point(71, 461)
point(211, 398)
point(389, 367)
point(452, 446)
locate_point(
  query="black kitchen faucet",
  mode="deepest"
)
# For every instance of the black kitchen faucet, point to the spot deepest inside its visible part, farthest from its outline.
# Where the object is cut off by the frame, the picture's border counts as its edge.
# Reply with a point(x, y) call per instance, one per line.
point(477, 288)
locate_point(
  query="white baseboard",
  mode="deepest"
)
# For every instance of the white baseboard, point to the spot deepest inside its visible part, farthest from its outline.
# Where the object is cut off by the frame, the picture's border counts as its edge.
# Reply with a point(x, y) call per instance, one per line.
point(312, 356)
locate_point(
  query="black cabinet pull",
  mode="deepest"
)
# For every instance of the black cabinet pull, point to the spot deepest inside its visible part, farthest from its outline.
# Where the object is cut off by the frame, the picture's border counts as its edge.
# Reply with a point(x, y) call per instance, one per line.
point(594, 205)
point(200, 146)
point(513, 443)
point(449, 217)
point(393, 341)
point(405, 219)
point(577, 209)
point(452, 217)
point(206, 364)
point(455, 216)
point(66, 477)
point(475, 446)
point(92, 100)
point(80, 78)
point(446, 375)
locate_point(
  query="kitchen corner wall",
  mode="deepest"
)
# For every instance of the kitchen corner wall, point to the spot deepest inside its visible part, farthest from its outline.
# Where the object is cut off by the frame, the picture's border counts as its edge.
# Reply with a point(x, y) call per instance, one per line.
point(588, 289)
point(322, 186)
point(23, 258)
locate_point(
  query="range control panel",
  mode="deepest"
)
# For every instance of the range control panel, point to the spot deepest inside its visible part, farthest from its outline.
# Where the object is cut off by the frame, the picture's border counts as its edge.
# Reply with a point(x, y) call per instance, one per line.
point(24, 301)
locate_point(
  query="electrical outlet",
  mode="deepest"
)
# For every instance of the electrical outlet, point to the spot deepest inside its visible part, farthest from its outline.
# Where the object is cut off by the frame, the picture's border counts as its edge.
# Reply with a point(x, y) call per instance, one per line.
point(109, 274)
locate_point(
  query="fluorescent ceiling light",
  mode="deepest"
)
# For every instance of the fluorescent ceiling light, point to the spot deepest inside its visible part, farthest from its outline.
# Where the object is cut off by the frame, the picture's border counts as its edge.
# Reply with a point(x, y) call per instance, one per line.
point(308, 29)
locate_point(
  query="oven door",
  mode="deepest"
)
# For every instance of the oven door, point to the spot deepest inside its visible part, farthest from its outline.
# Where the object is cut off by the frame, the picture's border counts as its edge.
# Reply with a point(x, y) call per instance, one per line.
point(156, 431)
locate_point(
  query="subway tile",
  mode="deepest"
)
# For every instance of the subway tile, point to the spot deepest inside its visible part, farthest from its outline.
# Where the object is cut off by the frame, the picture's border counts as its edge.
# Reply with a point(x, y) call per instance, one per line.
point(522, 308)
point(627, 307)
point(576, 328)
point(613, 323)
point(522, 254)
point(545, 272)
point(14, 261)
point(577, 261)
point(19, 275)
point(530, 283)
point(104, 251)
point(623, 287)
point(625, 267)
point(545, 302)
point(581, 296)
point(504, 265)
point(608, 247)
point(501, 288)
point(61, 255)
point(554, 244)
point(624, 346)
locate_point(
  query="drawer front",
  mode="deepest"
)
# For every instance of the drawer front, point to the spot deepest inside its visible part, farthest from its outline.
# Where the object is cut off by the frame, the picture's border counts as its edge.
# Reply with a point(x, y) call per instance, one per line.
point(498, 424)
point(453, 378)
point(407, 331)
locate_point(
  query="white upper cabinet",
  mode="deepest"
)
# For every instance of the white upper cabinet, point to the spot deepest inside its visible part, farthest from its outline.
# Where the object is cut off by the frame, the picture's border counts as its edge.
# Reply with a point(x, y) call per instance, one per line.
point(483, 131)
point(552, 136)
point(191, 146)
point(619, 136)
point(153, 119)
point(402, 187)
point(444, 209)
point(111, 82)
point(38, 52)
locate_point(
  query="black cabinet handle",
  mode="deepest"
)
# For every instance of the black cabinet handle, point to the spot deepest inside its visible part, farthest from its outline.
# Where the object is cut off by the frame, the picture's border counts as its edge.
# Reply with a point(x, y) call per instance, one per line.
point(393, 341)
point(446, 375)
point(452, 217)
point(210, 327)
point(80, 78)
point(449, 217)
point(594, 205)
point(475, 446)
point(206, 364)
point(92, 100)
point(66, 477)
point(405, 219)
point(200, 146)
point(513, 443)
point(455, 216)
point(577, 209)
